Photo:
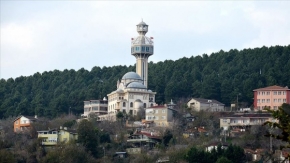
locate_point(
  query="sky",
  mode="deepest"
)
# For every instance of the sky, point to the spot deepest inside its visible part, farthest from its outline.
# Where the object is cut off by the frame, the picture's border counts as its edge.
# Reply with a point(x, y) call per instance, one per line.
point(38, 36)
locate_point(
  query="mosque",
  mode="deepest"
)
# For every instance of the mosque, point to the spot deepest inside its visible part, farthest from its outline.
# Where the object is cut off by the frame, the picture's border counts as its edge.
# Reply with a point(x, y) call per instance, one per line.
point(132, 93)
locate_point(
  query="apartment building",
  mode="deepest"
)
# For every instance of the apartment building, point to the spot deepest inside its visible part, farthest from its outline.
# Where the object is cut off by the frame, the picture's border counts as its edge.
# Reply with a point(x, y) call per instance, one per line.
point(242, 120)
point(99, 107)
point(272, 96)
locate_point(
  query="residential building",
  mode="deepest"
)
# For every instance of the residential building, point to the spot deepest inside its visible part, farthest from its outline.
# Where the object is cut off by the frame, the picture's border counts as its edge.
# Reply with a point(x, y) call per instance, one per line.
point(143, 137)
point(161, 116)
point(23, 123)
point(243, 120)
point(98, 107)
point(198, 104)
point(272, 96)
point(54, 136)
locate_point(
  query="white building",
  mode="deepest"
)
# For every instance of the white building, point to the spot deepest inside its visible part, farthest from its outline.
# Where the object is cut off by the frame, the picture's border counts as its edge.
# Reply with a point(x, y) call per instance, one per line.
point(199, 104)
point(132, 93)
point(98, 107)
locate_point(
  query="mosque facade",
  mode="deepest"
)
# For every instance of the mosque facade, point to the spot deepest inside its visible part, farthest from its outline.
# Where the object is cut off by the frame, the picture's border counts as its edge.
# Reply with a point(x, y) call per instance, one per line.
point(132, 93)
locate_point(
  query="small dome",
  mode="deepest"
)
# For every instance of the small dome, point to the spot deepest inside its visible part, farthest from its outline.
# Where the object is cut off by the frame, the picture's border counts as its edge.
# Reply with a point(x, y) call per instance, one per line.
point(119, 90)
point(136, 85)
point(149, 90)
point(132, 75)
point(142, 23)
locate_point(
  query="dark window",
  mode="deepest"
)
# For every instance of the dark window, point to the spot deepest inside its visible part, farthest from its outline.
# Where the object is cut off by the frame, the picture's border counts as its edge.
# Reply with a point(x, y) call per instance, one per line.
point(147, 49)
point(124, 104)
point(143, 49)
point(151, 104)
point(131, 112)
point(144, 105)
point(131, 104)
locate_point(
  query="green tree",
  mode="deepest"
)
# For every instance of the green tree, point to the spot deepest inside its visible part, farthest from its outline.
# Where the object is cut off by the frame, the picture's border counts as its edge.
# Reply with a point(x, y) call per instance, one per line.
point(223, 160)
point(88, 136)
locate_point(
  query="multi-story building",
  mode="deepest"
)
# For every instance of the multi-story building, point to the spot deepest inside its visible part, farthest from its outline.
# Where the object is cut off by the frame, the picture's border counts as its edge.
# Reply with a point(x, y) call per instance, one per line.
point(161, 116)
point(98, 107)
point(23, 123)
point(272, 96)
point(242, 120)
point(54, 136)
point(198, 104)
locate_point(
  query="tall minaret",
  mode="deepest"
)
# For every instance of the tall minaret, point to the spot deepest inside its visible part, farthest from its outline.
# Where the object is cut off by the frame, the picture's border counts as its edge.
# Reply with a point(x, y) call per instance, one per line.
point(142, 49)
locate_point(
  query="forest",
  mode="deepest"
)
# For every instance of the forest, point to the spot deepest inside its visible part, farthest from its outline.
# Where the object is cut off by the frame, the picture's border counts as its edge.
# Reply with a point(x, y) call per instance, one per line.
point(223, 76)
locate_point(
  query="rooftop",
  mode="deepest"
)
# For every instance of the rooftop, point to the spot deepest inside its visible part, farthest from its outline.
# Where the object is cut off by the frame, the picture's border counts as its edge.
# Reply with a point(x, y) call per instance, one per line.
point(272, 88)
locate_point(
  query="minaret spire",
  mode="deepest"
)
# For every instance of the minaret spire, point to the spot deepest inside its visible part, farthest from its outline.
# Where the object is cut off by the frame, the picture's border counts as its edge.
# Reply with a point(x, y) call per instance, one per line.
point(142, 48)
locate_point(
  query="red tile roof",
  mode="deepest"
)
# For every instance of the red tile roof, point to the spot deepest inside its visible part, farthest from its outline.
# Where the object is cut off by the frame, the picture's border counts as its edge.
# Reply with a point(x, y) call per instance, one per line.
point(271, 88)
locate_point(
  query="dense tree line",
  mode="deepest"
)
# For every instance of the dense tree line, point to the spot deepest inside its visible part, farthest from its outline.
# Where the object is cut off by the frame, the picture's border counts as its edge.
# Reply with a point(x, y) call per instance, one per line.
point(221, 76)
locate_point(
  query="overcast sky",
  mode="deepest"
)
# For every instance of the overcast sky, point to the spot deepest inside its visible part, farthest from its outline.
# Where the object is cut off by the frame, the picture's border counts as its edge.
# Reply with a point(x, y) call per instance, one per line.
point(38, 36)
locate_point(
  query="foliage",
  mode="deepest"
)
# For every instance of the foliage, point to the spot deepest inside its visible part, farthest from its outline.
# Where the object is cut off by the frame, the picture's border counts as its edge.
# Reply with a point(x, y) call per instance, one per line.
point(232, 154)
point(88, 136)
point(283, 123)
point(70, 153)
point(221, 76)
point(6, 156)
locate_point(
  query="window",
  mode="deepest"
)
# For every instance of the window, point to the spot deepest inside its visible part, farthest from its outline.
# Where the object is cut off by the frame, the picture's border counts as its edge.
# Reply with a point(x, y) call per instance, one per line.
point(151, 105)
point(263, 100)
point(137, 48)
point(225, 120)
point(163, 117)
point(156, 118)
point(275, 107)
point(131, 104)
point(275, 100)
point(268, 93)
point(279, 93)
point(163, 110)
point(131, 112)
point(124, 104)
point(144, 105)
point(284, 92)
point(258, 93)
point(279, 100)
point(284, 100)
point(16, 122)
point(275, 92)
point(268, 100)
point(259, 101)
point(263, 93)
point(143, 49)
point(147, 49)
point(124, 111)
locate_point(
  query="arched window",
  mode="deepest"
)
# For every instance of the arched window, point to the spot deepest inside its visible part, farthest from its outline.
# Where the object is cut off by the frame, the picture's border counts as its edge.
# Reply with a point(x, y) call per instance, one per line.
point(151, 104)
point(144, 105)
point(124, 104)
point(131, 104)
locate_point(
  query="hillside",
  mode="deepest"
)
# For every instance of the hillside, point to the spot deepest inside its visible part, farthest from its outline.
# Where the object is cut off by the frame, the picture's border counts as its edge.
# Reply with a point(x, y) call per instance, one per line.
point(221, 76)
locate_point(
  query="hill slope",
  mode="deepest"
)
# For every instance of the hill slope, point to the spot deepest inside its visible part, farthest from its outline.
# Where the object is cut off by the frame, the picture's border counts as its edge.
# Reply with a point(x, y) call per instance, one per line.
point(221, 76)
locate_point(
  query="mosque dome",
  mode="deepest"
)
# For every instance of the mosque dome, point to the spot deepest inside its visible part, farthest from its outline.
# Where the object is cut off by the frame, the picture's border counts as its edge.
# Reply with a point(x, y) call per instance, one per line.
point(136, 85)
point(132, 75)
point(119, 90)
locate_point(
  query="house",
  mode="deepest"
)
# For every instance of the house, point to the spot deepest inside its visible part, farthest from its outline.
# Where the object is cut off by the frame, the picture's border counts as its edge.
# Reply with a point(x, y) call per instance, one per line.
point(161, 116)
point(243, 120)
point(272, 96)
point(198, 104)
point(144, 137)
point(54, 136)
point(23, 123)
